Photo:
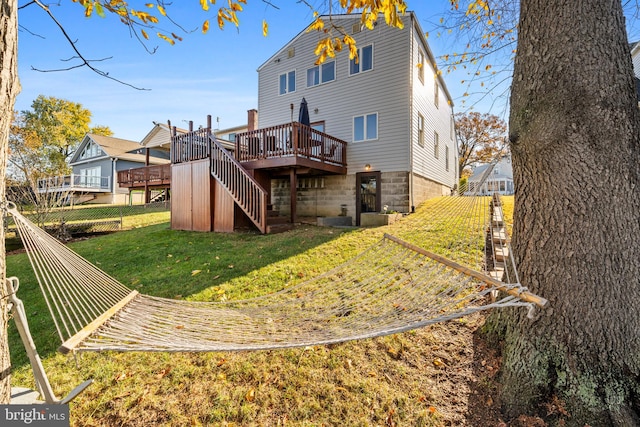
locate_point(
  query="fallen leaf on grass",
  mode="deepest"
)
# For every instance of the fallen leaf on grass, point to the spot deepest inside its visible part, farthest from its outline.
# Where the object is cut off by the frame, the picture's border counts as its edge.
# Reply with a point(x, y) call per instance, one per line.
point(438, 363)
point(121, 376)
point(251, 395)
point(163, 372)
point(194, 272)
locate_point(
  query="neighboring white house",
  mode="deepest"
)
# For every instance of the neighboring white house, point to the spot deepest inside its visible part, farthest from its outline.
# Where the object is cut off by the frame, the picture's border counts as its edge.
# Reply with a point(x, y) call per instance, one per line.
point(392, 108)
point(95, 166)
point(497, 180)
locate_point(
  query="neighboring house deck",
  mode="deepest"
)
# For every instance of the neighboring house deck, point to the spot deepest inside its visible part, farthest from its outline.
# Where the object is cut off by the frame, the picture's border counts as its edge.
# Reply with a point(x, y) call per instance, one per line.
point(96, 165)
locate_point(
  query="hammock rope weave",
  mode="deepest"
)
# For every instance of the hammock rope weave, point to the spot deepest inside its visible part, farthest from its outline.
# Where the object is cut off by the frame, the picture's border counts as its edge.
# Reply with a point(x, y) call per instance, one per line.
point(393, 286)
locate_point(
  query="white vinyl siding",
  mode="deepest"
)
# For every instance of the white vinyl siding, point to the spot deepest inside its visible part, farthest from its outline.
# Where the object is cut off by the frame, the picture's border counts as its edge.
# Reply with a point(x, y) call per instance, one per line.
point(364, 60)
point(386, 90)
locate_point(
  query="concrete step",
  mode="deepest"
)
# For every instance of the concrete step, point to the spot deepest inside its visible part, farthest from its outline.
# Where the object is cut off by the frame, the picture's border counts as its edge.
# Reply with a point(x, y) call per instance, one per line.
point(500, 235)
point(501, 253)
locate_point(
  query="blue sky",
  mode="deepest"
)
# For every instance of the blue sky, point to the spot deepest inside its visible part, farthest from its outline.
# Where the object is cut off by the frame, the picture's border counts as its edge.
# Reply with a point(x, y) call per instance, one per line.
point(212, 73)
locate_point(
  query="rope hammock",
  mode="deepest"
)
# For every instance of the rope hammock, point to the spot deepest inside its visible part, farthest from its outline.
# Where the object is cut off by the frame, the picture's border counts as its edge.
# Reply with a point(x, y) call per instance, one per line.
point(393, 286)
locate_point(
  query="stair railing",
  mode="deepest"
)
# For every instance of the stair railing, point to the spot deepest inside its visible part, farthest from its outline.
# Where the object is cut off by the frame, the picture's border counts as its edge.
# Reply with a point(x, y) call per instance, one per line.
point(244, 189)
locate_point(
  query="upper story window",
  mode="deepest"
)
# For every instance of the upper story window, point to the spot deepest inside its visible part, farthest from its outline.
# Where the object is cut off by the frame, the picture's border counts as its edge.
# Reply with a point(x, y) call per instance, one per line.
point(364, 60)
point(420, 130)
point(420, 66)
point(436, 93)
point(91, 150)
point(321, 74)
point(287, 82)
point(436, 145)
point(446, 158)
point(365, 128)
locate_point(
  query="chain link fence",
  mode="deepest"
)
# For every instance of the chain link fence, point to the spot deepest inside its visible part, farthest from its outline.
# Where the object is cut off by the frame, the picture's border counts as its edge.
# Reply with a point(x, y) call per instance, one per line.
point(70, 221)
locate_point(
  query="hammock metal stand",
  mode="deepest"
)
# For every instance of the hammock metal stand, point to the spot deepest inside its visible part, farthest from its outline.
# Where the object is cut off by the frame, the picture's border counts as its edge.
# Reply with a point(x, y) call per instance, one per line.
point(42, 381)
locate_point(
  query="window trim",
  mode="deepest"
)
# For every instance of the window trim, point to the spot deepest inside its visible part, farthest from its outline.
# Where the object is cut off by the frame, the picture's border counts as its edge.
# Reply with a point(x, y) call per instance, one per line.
point(420, 130)
point(365, 127)
point(360, 56)
point(436, 145)
point(446, 158)
point(421, 65)
point(320, 69)
point(287, 80)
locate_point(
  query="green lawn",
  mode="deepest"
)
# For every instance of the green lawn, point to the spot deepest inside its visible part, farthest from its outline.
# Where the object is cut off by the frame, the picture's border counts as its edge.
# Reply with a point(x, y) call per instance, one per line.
point(367, 381)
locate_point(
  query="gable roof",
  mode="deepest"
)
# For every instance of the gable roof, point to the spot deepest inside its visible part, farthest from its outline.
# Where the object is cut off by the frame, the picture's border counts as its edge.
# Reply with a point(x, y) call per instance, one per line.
point(160, 136)
point(116, 148)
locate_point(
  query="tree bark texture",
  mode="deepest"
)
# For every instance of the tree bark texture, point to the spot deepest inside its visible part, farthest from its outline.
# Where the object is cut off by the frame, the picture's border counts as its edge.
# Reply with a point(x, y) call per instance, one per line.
point(574, 134)
point(9, 89)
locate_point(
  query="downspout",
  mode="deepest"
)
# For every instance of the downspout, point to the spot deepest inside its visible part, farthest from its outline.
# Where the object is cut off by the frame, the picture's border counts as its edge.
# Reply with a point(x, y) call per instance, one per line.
point(412, 207)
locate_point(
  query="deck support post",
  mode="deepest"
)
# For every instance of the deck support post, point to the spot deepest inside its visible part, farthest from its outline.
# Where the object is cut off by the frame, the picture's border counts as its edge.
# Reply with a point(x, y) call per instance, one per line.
point(294, 197)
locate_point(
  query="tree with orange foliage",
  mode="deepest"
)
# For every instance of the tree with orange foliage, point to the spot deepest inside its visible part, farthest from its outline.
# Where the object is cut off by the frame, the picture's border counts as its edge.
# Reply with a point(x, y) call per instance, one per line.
point(480, 138)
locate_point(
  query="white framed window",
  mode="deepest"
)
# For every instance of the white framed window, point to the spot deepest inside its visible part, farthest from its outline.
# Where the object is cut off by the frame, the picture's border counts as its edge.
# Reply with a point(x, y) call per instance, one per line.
point(420, 65)
point(436, 93)
point(287, 82)
point(436, 145)
point(446, 158)
point(420, 130)
point(321, 74)
point(90, 177)
point(364, 62)
point(365, 127)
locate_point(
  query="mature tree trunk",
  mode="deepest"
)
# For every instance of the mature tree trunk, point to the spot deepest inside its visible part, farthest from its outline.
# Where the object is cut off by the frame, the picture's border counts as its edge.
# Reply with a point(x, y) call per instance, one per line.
point(9, 88)
point(574, 132)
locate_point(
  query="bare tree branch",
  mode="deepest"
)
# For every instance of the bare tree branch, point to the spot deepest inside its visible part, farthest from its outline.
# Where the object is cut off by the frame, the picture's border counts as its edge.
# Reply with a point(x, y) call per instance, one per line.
point(84, 61)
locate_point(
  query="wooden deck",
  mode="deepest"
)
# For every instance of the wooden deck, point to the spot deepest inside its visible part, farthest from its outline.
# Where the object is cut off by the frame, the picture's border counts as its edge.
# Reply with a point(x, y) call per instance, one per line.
point(291, 145)
point(147, 176)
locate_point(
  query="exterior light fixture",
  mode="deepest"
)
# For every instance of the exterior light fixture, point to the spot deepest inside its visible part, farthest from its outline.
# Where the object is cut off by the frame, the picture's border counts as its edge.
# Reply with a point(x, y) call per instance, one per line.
point(367, 167)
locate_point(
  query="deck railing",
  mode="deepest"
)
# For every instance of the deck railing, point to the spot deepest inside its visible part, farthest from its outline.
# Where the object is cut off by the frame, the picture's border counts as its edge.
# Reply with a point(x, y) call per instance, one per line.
point(244, 189)
point(147, 175)
point(291, 139)
point(74, 181)
point(187, 147)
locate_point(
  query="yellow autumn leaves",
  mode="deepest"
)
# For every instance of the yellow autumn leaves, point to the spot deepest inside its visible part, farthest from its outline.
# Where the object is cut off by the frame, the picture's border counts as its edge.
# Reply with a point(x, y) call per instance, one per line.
point(327, 46)
point(370, 9)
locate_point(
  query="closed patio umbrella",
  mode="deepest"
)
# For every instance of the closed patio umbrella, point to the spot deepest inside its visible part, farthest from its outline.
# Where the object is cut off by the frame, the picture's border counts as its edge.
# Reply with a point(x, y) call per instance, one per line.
point(304, 135)
point(303, 114)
